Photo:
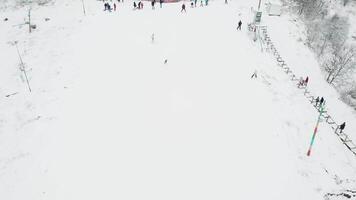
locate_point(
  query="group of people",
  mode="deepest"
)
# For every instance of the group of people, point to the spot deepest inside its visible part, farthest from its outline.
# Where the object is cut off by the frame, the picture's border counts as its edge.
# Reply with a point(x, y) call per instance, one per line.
point(138, 6)
point(153, 2)
point(319, 101)
point(194, 3)
point(303, 82)
point(108, 7)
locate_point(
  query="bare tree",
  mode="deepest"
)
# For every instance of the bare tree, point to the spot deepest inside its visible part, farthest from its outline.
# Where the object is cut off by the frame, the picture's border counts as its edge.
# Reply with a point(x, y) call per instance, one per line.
point(311, 9)
point(324, 35)
point(341, 64)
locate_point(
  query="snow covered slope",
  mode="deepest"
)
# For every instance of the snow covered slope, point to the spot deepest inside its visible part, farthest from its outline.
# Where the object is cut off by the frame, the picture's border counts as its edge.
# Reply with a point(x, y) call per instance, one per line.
point(107, 119)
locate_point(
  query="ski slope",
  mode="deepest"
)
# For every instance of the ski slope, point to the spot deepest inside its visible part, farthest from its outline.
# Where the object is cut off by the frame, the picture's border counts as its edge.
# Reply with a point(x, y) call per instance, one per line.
point(107, 119)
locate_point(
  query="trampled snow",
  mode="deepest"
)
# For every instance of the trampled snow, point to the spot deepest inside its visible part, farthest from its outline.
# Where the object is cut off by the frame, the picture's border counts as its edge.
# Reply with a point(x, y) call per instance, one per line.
point(108, 119)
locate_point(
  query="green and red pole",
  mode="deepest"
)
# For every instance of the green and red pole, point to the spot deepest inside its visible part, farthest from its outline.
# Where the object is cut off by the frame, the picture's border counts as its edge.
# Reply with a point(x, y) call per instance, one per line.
point(315, 129)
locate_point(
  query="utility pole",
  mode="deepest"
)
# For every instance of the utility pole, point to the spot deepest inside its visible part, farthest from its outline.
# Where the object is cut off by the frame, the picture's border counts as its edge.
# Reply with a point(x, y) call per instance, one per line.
point(23, 67)
point(259, 5)
point(29, 20)
point(315, 129)
point(83, 7)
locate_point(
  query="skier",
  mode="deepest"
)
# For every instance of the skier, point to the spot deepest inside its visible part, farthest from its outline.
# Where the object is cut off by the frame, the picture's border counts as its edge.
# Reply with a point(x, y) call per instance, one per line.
point(306, 81)
point(321, 102)
point(239, 25)
point(201, 3)
point(114, 6)
point(195, 3)
point(153, 4)
point(165, 61)
point(254, 75)
point(152, 37)
point(317, 101)
point(191, 4)
point(342, 126)
point(134, 5)
point(206, 2)
point(183, 8)
point(105, 6)
point(160, 3)
point(225, 1)
point(301, 82)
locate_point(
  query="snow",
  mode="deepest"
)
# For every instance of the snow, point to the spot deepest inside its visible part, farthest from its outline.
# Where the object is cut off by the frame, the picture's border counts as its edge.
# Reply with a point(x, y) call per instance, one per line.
point(108, 119)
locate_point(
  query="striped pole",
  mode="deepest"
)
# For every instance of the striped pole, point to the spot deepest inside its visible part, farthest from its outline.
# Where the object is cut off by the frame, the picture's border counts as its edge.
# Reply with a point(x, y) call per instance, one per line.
point(315, 130)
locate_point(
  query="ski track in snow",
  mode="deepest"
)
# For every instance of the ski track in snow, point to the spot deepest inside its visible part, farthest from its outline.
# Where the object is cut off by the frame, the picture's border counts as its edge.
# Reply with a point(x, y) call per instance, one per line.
point(108, 119)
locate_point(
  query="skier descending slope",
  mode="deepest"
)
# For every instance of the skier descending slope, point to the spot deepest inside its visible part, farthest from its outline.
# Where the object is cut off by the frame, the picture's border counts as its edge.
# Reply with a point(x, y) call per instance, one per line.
point(239, 25)
point(153, 4)
point(254, 75)
point(183, 8)
point(317, 101)
point(153, 38)
point(341, 127)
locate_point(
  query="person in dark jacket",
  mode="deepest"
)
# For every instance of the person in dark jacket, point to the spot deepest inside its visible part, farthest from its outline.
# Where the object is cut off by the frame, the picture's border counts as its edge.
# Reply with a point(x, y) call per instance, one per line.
point(321, 101)
point(306, 81)
point(342, 126)
point(153, 4)
point(317, 101)
point(135, 6)
point(183, 8)
point(239, 25)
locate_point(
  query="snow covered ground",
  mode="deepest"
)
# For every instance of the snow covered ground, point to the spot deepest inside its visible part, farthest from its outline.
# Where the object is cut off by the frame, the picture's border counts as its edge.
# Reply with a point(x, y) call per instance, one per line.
point(107, 119)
